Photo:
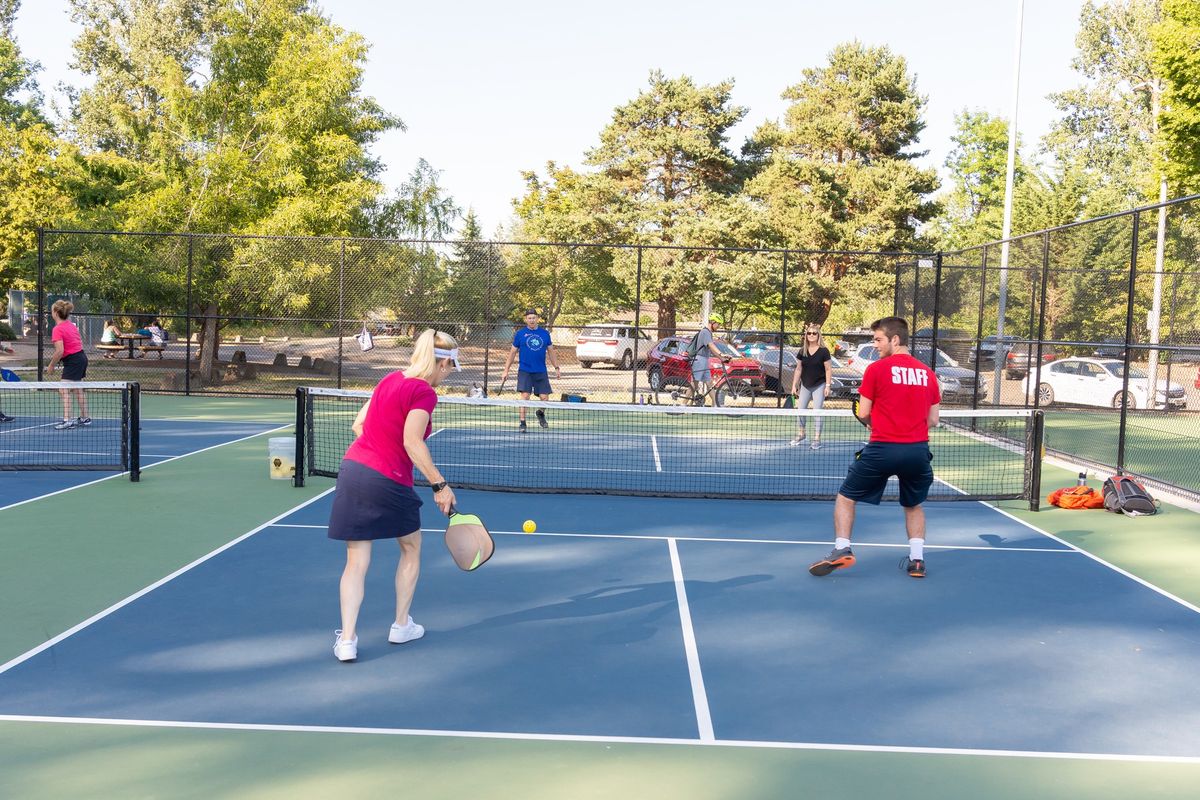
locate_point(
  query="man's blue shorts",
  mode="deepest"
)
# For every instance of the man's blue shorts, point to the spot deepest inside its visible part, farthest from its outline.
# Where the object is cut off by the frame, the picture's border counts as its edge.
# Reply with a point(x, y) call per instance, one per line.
point(533, 382)
point(874, 464)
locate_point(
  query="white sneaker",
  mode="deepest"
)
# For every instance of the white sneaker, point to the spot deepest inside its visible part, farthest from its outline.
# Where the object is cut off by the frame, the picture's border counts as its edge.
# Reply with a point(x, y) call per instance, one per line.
point(345, 651)
point(799, 438)
point(400, 634)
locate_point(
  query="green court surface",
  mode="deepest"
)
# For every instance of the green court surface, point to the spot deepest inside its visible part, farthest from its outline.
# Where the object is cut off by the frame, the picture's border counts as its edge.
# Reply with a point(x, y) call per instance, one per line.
point(128, 536)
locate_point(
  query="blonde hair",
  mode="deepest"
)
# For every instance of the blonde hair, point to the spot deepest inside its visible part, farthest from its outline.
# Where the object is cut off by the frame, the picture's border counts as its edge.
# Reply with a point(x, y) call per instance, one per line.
point(424, 364)
point(63, 309)
point(820, 340)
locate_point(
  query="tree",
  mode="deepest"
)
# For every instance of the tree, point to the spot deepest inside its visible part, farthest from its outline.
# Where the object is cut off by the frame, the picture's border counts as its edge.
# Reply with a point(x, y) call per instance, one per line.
point(1177, 60)
point(409, 276)
point(477, 289)
point(1108, 127)
point(973, 208)
point(36, 166)
point(565, 206)
point(665, 177)
point(229, 116)
point(838, 173)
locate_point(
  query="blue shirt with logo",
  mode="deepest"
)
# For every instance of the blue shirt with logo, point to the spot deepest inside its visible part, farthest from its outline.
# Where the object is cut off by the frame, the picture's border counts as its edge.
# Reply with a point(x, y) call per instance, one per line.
point(532, 345)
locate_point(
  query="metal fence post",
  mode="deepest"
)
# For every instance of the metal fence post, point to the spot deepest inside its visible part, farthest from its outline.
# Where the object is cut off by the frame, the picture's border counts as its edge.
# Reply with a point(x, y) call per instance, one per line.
point(637, 324)
point(1122, 430)
point(937, 311)
point(916, 293)
point(1035, 369)
point(341, 315)
point(895, 289)
point(487, 316)
point(782, 328)
point(187, 321)
point(41, 301)
point(979, 329)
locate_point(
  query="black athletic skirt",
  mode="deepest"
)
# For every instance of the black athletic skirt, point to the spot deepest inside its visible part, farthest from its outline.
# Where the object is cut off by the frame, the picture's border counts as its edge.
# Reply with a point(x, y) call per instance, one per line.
point(74, 366)
point(369, 505)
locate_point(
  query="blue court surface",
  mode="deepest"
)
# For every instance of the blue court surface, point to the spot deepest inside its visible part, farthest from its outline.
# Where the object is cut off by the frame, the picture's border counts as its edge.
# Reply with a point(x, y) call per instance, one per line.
point(161, 440)
point(650, 619)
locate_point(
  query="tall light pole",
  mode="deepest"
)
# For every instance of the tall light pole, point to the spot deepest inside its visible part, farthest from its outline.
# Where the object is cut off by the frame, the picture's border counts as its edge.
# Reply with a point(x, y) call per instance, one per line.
point(1008, 198)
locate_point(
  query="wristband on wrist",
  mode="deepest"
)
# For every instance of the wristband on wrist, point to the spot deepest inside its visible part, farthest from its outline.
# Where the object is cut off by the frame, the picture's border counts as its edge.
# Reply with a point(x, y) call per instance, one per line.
point(437, 487)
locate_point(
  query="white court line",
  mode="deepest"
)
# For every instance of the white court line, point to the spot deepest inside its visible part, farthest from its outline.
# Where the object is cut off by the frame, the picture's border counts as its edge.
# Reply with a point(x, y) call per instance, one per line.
point(563, 737)
point(822, 542)
point(699, 695)
point(657, 460)
point(121, 604)
point(144, 467)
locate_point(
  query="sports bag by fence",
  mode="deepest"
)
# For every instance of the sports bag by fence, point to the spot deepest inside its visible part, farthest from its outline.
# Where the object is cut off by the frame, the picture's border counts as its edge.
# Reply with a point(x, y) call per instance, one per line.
point(1124, 495)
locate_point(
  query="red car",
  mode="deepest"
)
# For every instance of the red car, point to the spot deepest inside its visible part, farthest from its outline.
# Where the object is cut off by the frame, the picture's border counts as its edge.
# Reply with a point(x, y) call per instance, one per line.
point(666, 366)
point(1197, 384)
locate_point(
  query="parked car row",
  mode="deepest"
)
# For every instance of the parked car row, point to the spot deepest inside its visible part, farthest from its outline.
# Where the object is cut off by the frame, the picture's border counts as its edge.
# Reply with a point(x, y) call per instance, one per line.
point(957, 382)
point(1101, 382)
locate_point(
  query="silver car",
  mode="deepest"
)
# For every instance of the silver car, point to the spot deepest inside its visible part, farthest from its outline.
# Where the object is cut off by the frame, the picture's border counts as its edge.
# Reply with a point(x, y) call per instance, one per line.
point(845, 380)
point(957, 383)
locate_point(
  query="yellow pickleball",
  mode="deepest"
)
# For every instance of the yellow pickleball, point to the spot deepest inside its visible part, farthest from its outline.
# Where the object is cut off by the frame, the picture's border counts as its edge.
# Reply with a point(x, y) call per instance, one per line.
point(530, 526)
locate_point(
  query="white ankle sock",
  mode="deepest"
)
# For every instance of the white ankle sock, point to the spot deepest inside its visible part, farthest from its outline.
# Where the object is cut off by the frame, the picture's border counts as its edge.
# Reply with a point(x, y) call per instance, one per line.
point(840, 543)
point(916, 549)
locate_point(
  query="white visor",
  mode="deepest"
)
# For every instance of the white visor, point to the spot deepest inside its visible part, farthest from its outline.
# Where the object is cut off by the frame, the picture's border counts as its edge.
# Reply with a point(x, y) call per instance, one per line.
point(450, 354)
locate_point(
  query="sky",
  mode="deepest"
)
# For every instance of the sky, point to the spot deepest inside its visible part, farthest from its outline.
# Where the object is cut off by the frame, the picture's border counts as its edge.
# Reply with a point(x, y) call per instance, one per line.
point(489, 89)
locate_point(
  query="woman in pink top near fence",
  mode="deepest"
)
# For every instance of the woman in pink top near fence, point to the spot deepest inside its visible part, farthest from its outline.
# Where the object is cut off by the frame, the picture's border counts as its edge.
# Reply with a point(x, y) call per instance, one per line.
point(375, 497)
point(68, 348)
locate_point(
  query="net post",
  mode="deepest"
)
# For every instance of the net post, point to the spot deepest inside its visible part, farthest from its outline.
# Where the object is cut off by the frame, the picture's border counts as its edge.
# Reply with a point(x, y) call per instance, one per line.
point(135, 432)
point(301, 407)
point(1037, 437)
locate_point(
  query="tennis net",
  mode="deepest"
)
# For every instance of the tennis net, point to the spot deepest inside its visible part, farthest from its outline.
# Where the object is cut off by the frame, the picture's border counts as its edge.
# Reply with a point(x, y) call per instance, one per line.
point(593, 448)
point(33, 435)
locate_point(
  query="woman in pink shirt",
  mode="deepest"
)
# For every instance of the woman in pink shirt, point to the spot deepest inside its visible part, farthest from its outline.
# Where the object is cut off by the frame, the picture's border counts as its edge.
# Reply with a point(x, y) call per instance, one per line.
point(68, 348)
point(375, 497)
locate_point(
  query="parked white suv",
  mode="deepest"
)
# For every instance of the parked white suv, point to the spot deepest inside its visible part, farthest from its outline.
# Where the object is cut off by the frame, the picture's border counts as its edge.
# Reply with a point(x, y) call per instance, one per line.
point(612, 343)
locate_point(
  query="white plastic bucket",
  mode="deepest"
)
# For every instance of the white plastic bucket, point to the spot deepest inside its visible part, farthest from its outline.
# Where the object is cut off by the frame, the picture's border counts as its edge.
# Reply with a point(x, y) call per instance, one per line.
point(283, 457)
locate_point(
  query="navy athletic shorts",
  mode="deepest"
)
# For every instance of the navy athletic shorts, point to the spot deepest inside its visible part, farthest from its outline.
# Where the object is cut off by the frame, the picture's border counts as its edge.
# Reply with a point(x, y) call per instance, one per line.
point(533, 382)
point(874, 464)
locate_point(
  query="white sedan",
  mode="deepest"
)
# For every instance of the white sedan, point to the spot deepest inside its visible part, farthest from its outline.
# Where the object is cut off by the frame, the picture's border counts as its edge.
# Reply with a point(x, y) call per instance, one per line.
point(1099, 382)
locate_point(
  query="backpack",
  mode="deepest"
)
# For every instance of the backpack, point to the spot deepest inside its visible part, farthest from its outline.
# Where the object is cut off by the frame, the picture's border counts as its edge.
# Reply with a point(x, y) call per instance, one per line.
point(693, 347)
point(1124, 495)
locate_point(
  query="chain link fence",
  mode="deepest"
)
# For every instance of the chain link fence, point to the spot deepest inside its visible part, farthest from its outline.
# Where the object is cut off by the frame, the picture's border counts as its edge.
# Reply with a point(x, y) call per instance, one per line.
point(1098, 322)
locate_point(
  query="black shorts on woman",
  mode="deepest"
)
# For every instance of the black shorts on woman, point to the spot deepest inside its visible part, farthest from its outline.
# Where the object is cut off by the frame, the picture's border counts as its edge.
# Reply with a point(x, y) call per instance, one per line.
point(369, 505)
point(74, 366)
point(867, 477)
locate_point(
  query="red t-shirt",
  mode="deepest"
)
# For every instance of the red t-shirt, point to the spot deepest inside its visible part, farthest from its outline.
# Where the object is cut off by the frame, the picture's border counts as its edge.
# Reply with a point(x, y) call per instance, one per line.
point(902, 389)
point(381, 446)
point(68, 334)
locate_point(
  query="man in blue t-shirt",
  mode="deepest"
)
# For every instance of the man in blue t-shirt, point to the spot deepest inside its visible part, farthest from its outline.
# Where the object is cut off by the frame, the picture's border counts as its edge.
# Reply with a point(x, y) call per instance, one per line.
point(532, 344)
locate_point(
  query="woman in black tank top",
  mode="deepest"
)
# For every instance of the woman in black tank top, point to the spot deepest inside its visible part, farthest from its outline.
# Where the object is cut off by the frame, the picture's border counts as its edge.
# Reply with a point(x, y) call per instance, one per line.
point(811, 381)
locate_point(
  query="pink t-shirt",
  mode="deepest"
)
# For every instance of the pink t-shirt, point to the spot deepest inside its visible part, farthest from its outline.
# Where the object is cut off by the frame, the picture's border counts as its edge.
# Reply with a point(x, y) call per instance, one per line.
point(381, 446)
point(68, 334)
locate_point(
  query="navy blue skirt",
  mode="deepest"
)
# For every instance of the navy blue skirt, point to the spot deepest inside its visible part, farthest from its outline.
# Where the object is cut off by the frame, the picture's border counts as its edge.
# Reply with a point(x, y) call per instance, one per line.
point(369, 505)
point(74, 366)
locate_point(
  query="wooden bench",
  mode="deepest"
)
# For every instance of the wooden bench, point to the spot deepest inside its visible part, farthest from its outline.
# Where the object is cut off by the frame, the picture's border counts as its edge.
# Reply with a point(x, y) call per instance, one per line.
point(153, 348)
point(110, 349)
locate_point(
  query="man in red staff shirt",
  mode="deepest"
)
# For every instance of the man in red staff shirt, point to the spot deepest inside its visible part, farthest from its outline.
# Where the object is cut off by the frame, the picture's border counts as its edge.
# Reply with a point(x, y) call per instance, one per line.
point(899, 400)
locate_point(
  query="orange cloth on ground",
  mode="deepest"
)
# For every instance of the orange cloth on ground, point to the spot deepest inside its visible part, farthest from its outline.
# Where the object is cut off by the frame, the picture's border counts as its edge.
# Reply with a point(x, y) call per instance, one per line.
point(1076, 497)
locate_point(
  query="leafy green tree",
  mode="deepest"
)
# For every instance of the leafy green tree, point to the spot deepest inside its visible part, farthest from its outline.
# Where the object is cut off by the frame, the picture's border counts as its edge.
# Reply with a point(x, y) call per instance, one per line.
point(973, 208)
point(666, 176)
point(565, 206)
point(229, 116)
point(477, 289)
point(1177, 60)
point(838, 172)
point(36, 166)
point(1108, 126)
